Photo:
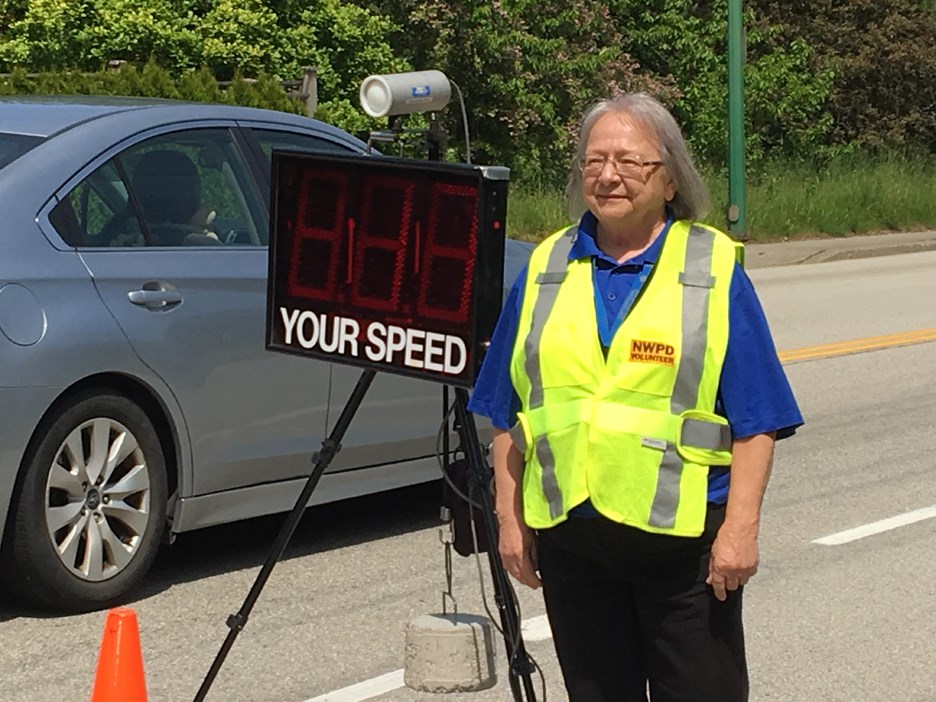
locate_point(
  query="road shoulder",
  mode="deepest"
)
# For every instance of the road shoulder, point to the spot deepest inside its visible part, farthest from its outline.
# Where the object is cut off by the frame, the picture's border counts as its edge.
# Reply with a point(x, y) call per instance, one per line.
point(790, 253)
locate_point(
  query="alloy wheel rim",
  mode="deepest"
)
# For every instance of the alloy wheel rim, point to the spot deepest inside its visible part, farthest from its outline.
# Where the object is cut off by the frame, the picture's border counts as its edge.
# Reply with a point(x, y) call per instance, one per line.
point(97, 499)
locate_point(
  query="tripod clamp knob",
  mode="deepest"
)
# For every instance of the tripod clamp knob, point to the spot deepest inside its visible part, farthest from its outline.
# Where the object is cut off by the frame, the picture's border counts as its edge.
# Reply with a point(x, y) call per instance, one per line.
point(237, 621)
point(330, 449)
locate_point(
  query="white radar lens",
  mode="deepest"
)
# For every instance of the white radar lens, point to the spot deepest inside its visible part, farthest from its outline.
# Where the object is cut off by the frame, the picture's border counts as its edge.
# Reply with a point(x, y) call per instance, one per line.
point(376, 98)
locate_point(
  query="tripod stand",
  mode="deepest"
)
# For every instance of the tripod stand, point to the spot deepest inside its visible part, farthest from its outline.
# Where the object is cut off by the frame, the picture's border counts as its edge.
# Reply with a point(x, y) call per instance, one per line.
point(520, 667)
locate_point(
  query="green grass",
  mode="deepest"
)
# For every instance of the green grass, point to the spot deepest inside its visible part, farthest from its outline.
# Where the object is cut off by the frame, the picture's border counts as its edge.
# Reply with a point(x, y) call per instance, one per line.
point(534, 212)
point(855, 194)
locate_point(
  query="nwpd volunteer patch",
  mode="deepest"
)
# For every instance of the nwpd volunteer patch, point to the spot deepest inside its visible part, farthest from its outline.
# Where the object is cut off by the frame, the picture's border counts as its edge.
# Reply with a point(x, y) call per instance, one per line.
point(652, 352)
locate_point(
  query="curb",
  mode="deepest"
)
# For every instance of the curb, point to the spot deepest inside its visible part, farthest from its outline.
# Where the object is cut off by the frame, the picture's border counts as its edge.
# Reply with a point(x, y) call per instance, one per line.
point(793, 253)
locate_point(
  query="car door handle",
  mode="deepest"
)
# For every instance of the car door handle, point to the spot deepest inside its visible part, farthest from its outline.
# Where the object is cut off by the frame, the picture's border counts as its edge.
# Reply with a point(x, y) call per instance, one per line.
point(155, 298)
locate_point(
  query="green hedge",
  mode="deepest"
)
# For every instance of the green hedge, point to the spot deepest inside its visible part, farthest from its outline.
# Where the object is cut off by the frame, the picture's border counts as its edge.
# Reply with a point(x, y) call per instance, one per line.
point(153, 81)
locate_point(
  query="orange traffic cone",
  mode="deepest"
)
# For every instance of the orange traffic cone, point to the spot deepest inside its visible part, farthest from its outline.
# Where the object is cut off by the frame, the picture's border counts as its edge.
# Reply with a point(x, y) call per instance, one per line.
point(119, 676)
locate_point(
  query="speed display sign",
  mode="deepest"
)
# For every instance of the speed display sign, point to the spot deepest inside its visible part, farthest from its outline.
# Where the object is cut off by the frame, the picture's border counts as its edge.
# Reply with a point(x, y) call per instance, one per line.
point(390, 264)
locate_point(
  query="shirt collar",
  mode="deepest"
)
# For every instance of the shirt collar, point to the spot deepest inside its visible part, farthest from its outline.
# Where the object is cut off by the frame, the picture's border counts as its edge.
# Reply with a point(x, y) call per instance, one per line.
point(585, 245)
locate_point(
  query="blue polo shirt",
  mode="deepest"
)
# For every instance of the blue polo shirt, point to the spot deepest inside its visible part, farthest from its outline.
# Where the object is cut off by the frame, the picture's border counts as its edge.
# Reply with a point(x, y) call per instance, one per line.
point(753, 395)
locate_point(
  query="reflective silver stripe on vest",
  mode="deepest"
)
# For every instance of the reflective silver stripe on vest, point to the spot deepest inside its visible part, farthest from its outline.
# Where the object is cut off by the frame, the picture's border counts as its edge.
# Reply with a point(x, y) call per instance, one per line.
point(519, 437)
point(697, 282)
point(557, 266)
point(699, 434)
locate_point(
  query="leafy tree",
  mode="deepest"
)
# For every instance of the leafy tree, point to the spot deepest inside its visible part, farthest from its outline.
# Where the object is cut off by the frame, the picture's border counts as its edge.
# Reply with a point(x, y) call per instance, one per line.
point(346, 43)
point(883, 57)
point(231, 37)
point(85, 34)
point(821, 75)
point(239, 36)
point(527, 70)
point(785, 96)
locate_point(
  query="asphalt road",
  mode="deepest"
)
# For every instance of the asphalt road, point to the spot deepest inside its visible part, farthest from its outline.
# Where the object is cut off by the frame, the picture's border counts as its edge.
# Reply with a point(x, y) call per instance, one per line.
point(850, 622)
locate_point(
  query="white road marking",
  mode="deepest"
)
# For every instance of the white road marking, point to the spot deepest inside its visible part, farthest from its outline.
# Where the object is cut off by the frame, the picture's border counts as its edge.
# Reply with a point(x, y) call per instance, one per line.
point(843, 537)
point(364, 690)
point(535, 629)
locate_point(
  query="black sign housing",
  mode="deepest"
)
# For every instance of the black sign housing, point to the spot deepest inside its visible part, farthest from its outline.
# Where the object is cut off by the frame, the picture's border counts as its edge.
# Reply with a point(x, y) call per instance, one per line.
point(383, 263)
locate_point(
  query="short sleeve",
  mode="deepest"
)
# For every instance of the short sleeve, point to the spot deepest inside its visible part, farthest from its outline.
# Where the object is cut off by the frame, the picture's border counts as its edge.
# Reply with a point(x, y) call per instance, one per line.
point(494, 396)
point(755, 394)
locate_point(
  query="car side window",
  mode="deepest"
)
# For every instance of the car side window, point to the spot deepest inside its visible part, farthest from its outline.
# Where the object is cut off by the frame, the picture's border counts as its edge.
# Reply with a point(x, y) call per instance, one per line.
point(187, 188)
point(193, 188)
point(272, 139)
point(98, 212)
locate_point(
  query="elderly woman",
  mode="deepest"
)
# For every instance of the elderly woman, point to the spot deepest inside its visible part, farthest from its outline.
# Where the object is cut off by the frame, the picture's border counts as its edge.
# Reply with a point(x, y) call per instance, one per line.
point(636, 395)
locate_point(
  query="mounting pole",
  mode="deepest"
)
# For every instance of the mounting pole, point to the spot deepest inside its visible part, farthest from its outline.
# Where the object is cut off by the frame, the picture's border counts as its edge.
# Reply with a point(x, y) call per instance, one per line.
point(737, 196)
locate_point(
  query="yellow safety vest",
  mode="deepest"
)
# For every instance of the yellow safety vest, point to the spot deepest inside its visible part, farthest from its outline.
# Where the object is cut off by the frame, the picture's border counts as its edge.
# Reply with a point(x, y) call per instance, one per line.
point(635, 433)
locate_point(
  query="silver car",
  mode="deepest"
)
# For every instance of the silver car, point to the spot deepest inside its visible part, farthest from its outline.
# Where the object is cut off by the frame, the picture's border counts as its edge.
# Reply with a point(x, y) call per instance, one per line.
point(138, 400)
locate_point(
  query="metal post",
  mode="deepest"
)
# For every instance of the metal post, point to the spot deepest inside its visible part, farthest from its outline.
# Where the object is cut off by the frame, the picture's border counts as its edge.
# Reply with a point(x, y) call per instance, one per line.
point(737, 207)
point(309, 88)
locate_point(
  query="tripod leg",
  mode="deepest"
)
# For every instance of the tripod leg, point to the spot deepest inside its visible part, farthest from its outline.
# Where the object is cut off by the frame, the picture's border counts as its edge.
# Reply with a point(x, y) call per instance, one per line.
point(330, 447)
point(520, 666)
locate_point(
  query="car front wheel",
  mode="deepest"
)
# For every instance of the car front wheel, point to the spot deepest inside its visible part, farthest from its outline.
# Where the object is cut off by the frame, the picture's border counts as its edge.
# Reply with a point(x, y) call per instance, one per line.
point(91, 506)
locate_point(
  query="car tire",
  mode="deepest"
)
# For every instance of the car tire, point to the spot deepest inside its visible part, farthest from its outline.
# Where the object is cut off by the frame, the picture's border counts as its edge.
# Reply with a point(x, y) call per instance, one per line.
point(90, 508)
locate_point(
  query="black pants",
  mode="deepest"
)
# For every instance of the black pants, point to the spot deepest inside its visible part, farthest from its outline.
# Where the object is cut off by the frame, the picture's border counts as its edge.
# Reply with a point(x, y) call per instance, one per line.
point(630, 609)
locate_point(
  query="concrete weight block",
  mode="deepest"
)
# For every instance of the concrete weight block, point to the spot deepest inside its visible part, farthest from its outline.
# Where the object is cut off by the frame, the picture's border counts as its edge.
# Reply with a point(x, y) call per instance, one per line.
point(449, 653)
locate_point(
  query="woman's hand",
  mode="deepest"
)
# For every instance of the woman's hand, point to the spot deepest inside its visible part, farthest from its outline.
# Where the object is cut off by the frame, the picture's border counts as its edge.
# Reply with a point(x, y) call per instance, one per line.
point(733, 561)
point(516, 542)
point(517, 547)
point(735, 553)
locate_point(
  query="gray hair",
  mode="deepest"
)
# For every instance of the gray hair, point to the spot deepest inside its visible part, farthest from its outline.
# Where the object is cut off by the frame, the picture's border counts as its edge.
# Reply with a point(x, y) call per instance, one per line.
point(692, 198)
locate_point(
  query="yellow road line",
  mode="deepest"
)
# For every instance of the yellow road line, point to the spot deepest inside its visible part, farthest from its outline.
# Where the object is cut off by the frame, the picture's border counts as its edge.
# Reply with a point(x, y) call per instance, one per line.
point(872, 343)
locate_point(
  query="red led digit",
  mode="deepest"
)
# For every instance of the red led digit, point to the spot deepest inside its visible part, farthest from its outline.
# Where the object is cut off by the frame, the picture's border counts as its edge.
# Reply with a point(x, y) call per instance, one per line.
point(451, 245)
point(350, 276)
point(380, 242)
point(317, 235)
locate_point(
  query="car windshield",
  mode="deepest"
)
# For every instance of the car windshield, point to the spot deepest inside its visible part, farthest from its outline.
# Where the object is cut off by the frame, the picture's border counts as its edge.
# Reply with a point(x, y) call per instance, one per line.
point(12, 146)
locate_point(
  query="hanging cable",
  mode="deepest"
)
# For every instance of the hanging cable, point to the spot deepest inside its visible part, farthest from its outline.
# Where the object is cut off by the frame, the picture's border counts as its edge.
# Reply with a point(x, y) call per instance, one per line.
point(443, 427)
point(515, 601)
point(464, 111)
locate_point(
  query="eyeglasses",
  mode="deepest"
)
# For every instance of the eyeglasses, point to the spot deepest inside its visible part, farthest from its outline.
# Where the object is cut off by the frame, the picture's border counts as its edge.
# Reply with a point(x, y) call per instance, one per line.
point(625, 167)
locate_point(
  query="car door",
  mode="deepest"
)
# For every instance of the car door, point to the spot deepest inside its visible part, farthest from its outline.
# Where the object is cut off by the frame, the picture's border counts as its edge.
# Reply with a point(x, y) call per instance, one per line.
point(399, 418)
point(174, 233)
